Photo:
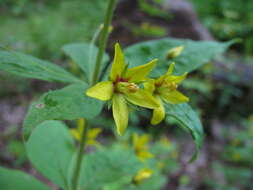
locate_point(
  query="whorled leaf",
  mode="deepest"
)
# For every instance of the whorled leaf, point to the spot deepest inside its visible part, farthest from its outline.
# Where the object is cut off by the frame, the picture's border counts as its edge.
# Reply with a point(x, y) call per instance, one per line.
point(68, 103)
point(31, 67)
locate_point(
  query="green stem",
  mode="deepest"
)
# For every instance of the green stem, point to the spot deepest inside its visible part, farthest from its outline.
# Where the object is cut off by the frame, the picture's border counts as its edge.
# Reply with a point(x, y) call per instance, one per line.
point(80, 157)
point(103, 40)
point(102, 45)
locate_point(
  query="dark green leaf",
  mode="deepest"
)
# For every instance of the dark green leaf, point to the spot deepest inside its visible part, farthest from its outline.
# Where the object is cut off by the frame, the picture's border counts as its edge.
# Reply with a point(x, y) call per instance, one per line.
point(50, 149)
point(17, 180)
point(194, 55)
point(30, 67)
point(189, 120)
point(84, 55)
point(68, 103)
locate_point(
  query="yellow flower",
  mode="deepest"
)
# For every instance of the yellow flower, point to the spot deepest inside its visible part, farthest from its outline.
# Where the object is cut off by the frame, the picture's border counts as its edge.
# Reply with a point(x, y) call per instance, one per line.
point(174, 52)
point(164, 89)
point(142, 175)
point(141, 146)
point(122, 88)
point(91, 134)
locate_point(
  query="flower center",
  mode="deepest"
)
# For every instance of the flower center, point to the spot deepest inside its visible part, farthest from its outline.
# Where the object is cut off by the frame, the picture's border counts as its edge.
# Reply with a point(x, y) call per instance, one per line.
point(170, 85)
point(126, 87)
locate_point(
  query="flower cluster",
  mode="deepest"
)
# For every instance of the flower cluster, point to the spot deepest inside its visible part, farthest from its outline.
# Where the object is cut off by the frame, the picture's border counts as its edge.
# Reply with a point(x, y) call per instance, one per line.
point(91, 134)
point(123, 88)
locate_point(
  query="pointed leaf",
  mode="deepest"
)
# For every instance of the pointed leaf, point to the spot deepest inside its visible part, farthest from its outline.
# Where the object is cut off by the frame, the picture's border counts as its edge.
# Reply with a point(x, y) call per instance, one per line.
point(189, 120)
point(195, 54)
point(30, 67)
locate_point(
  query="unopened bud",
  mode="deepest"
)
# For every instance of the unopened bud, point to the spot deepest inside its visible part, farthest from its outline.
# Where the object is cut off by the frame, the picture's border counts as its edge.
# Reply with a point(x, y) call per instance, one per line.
point(174, 52)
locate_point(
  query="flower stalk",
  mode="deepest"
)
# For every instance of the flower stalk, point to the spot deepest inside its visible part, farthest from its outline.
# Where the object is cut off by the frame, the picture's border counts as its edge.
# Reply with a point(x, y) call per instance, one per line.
point(79, 158)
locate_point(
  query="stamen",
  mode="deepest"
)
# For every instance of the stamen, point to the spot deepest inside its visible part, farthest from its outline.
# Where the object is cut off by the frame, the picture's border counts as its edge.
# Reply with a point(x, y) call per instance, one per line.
point(132, 87)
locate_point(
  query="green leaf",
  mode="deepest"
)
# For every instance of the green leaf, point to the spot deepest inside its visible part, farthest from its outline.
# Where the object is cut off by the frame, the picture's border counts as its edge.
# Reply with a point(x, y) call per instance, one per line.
point(50, 148)
point(84, 55)
point(195, 54)
point(17, 180)
point(30, 67)
point(108, 166)
point(189, 120)
point(68, 103)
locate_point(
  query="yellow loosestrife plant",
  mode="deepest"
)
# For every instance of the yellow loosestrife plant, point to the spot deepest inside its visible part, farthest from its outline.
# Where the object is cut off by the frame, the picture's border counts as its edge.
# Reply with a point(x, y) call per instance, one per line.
point(122, 88)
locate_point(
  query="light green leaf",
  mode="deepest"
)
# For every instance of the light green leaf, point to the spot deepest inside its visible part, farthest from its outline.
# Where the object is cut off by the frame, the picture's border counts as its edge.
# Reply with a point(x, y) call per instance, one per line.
point(17, 180)
point(189, 120)
point(50, 148)
point(195, 54)
point(30, 67)
point(84, 55)
point(68, 103)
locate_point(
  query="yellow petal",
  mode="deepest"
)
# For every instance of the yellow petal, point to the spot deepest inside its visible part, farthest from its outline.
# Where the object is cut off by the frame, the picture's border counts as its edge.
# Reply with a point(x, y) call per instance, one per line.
point(149, 85)
point(176, 79)
point(171, 68)
point(174, 97)
point(75, 134)
point(102, 91)
point(168, 74)
point(93, 133)
point(139, 74)
point(143, 140)
point(118, 64)
point(120, 113)
point(142, 175)
point(144, 155)
point(142, 98)
point(158, 113)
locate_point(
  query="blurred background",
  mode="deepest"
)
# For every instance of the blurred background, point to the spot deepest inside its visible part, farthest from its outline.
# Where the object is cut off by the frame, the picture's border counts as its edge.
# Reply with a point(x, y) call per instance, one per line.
point(221, 91)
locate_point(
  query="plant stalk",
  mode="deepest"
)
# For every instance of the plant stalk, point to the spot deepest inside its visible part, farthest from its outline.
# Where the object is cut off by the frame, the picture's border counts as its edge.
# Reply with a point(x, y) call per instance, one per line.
point(95, 77)
point(103, 39)
point(80, 155)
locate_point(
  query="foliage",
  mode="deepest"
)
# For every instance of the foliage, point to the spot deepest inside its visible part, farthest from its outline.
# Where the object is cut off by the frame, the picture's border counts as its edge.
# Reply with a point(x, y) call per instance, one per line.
point(50, 144)
point(228, 19)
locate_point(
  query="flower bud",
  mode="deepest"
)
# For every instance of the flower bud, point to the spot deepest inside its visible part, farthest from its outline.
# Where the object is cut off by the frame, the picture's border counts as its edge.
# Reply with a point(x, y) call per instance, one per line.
point(174, 52)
